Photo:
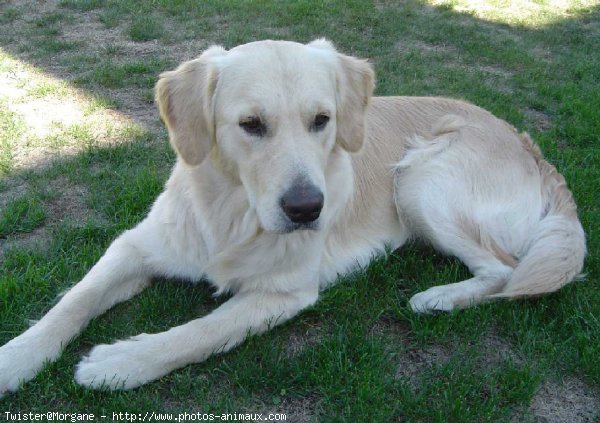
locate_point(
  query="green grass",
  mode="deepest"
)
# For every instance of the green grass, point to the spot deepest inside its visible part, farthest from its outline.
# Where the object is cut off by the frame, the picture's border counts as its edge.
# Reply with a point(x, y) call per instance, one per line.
point(138, 73)
point(21, 215)
point(110, 18)
point(9, 15)
point(98, 103)
point(82, 5)
point(49, 89)
point(145, 28)
point(11, 129)
point(360, 354)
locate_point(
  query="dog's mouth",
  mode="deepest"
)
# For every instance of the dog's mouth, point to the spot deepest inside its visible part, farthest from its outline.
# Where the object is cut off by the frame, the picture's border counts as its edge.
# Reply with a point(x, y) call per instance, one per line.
point(291, 227)
point(309, 226)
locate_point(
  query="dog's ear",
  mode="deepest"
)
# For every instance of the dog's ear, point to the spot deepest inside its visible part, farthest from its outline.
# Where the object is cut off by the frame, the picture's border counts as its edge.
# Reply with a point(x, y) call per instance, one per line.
point(185, 101)
point(355, 81)
point(355, 84)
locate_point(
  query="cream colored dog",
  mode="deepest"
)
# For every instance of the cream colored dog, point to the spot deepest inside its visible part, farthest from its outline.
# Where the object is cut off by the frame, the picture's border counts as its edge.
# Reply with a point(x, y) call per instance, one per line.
point(290, 174)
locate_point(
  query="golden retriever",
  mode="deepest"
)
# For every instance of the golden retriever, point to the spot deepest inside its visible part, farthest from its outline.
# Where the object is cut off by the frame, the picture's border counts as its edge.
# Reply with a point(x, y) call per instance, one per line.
point(289, 174)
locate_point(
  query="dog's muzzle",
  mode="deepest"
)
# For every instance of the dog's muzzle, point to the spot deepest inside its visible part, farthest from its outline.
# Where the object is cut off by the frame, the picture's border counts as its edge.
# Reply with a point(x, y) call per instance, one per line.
point(302, 203)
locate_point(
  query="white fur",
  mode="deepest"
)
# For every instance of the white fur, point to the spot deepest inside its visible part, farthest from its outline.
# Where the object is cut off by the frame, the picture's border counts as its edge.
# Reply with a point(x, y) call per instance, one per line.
point(437, 169)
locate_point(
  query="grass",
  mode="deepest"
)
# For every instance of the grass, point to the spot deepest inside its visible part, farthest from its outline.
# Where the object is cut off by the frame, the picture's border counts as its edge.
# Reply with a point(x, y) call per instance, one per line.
point(359, 354)
point(11, 129)
point(118, 75)
point(48, 89)
point(21, 215)
point(9, 15)
point(145, 28)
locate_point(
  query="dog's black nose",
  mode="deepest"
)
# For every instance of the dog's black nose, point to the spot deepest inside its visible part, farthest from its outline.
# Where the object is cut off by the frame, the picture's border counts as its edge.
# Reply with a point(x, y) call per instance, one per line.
point(302, 203)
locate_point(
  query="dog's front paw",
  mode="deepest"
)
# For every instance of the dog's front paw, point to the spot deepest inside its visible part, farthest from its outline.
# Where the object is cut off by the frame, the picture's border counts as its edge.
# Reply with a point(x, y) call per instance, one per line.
point(438, 298)
point(123, 365)
point(19, 362)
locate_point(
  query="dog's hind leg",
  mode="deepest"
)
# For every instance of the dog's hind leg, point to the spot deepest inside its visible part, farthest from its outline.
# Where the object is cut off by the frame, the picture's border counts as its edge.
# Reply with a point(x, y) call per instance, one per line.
point(436, 202)
point(484, 194)
point(491, 268)
point(117, 276)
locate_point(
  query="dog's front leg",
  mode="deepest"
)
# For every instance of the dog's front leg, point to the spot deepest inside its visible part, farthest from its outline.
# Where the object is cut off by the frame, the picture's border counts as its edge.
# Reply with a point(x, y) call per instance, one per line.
point(117, 276)
point(143, 358)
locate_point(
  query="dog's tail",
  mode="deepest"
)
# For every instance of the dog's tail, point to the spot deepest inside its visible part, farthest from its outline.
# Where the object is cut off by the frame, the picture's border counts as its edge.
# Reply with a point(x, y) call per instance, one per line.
point(556, 248)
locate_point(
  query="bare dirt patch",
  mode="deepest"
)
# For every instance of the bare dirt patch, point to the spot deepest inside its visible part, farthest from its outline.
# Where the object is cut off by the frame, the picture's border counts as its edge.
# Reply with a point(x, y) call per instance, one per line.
point(495, 70)
point(540, 120)
point(44, 116)
point(300, 339)
point(38, 239)
point(297, 410)
point(67, 205)
point(70, 204)
point(543, 53)
point(497, 348)
point(407, 46)
point(414, 361)
point(495, 77)
point(570, 400)
point(14, 188)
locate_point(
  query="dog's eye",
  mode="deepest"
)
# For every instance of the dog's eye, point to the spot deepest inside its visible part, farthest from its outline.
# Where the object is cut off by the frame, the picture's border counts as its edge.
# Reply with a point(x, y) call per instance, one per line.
point(320, 122)
point(253, 126)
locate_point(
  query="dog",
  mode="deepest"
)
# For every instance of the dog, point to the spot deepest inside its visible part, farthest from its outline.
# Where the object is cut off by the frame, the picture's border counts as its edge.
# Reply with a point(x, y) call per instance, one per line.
point(289, 174)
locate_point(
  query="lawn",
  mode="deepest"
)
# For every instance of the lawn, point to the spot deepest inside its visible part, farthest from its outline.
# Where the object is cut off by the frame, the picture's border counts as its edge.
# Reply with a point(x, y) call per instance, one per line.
point(83, 154)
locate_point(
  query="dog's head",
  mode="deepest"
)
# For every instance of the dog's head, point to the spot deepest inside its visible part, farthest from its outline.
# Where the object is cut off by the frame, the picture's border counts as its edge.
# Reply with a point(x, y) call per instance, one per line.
point(270, 113)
